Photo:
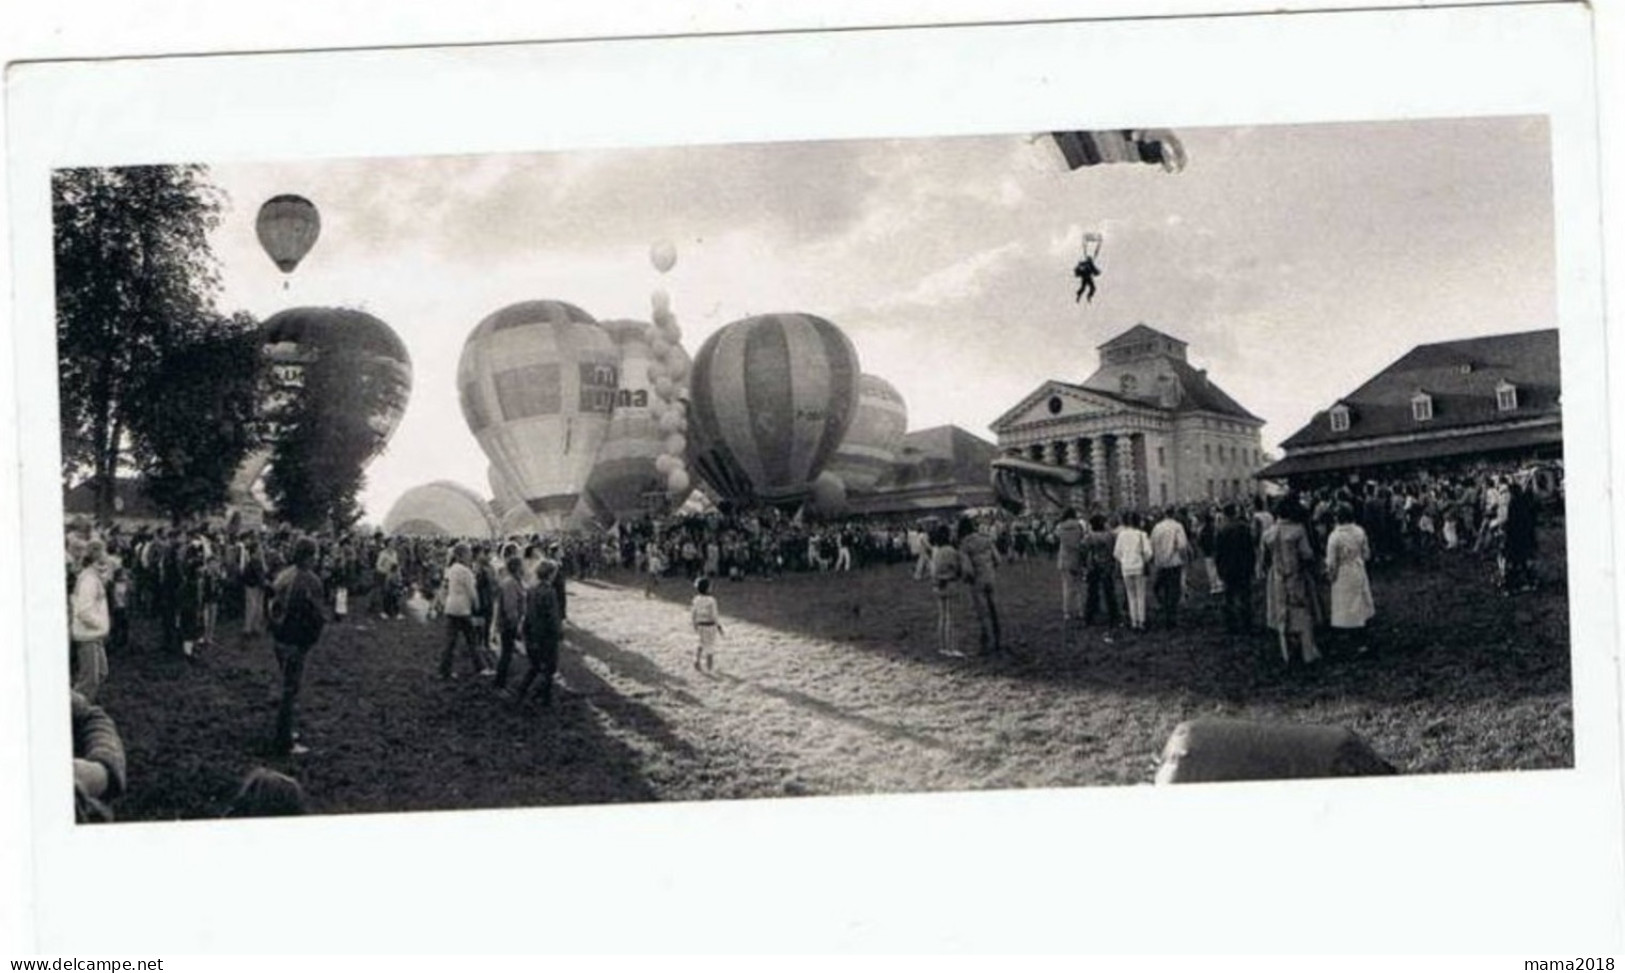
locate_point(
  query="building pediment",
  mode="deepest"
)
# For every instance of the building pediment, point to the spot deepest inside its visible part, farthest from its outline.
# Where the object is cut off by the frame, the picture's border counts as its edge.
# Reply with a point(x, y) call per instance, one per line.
point(1057, 401)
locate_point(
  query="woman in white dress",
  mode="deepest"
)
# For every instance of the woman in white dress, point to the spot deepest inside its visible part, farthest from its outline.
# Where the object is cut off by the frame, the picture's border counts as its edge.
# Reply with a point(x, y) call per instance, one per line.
point(1132, 553)
point(1347, 551)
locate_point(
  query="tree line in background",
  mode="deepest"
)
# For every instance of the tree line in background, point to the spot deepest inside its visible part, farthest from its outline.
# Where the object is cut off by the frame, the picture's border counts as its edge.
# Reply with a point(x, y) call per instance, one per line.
point(156, 381)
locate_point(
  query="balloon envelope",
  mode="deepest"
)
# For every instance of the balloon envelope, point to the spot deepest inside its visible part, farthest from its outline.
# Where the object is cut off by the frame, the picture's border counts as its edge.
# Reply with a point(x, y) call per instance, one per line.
point(663, 255)
point(537, 382)
point(829, 495)
point(625, 474)
point(440, 509)
point(287, 226)
point(770, 399)
point(870, 446)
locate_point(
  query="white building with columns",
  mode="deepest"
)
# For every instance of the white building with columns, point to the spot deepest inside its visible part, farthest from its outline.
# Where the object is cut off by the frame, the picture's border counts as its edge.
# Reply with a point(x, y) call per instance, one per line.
point(1151, 429)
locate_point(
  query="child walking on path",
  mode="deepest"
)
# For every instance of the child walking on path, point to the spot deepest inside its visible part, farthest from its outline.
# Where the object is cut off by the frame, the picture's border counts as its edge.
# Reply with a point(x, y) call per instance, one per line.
point(702, 612)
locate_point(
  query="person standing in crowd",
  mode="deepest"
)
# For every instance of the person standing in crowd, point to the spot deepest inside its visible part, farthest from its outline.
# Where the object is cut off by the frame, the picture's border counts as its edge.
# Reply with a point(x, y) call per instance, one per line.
point(91, 621)
point(919, 547)
point(1132, 552)
point(1100, 594)
point(510, 613)
point(980, 560)
point(459, 596)
point(211, 588)
point(119, 603)
point(1288, 562)
point(387, 575)
point(1518, 540)
point(542, 636)
point(1347, 551)
point(1207, 538)
point(254, 576)
point(945, 570)
point(1170, 549)
point(702, 615)
point(297, 618)
point(189, 607)
point(1235, 560)
point(1068, 548)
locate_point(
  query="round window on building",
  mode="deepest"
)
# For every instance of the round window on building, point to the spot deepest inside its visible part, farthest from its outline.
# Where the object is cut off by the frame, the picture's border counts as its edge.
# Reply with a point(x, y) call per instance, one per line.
point(1055, 405)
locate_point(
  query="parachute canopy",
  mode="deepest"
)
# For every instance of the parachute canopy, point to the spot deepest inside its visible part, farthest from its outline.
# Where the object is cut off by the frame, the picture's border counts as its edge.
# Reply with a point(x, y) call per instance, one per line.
point(1157, 146)
point(771, 398)
point(288, 226)
point(537, 381)
point(440, 509)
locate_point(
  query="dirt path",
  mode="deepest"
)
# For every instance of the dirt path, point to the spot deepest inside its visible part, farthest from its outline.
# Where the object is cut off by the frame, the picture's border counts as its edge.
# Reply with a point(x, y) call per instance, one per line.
point(782, 713)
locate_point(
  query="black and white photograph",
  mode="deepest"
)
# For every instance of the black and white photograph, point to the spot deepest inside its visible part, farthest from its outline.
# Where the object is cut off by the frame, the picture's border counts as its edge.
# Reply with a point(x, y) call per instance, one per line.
point(657, 492)
point(746, 471)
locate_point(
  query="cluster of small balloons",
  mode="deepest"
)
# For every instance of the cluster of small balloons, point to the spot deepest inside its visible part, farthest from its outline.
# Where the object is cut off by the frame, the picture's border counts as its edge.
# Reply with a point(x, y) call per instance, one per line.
point(668, 374)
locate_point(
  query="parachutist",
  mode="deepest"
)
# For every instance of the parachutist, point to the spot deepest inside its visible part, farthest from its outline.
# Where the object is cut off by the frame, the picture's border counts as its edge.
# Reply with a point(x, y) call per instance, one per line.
point(1086, 271)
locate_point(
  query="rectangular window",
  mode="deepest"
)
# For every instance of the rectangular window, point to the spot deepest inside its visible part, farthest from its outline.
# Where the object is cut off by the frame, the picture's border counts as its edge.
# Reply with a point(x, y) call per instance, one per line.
point(1163, 489)
point(1422, 408)
point(1506, 398)
point(1162, 457)
point(1340, 419)
point(1207, 453)
point(1210, 489)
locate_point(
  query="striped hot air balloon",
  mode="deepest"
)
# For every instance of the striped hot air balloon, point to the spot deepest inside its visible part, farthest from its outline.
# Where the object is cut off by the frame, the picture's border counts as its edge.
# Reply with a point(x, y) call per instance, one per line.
point(287, 227)
point(877, 431)
point(537, 382)
point(771, 397)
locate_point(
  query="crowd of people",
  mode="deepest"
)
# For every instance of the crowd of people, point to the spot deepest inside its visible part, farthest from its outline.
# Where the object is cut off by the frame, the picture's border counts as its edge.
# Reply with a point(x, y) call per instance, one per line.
point(1304, 555)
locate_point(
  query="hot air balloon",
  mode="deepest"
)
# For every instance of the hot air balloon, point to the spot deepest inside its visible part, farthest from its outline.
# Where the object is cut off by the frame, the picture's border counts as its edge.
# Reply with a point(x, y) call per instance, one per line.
point(663, 255)
point(288, 227)
point(829, 496)
point(771, 397)
point(625, 472)
point(440, 509)
point(538, 382)
point(329, 353)
point(877, 431)
point(502, 492)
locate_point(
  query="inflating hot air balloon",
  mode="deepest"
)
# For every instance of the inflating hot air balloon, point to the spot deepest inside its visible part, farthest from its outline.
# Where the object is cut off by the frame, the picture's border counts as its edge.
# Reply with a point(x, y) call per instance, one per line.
point(330, 353)
point(440, 509)
point(771, 397)
point(870, 446)
point(625, 474)
point(288, 227)
point(537, 382)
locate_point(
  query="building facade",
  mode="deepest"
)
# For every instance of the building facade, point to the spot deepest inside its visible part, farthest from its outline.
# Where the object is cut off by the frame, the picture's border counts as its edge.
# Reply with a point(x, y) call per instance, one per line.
point(1150, 428)
point(1484, 402)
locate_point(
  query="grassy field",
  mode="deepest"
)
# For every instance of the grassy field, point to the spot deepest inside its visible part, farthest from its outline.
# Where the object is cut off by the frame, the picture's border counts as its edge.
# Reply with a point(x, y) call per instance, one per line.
point(830, 685)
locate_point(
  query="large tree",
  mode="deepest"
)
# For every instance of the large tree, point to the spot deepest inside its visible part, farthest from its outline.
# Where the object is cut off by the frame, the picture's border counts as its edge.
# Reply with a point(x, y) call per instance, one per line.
point(195, 417)
point(136, 284)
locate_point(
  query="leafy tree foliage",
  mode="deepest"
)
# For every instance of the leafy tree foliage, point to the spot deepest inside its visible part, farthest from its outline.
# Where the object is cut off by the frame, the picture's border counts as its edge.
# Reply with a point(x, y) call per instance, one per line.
point(195, 418)
point(139, 343)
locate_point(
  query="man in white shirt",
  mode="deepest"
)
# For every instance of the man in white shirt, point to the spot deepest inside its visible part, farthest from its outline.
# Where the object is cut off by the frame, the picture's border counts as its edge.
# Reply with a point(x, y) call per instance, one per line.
point(462, 601)
point(1170, 549)
point(91, 621)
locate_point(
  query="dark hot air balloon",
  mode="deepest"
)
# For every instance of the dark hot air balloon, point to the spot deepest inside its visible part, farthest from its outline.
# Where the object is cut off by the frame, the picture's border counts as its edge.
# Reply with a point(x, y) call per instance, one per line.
point(288, 227)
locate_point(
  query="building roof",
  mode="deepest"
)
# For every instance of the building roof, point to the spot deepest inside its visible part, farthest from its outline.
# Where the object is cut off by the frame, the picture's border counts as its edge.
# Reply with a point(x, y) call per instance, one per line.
point(1140, 332)
point(129, 500)
point(1460, 376)
point(1490, 441)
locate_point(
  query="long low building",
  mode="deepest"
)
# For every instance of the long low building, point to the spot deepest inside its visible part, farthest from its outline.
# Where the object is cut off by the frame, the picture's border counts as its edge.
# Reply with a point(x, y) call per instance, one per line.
point(1491, 401)
point(943, 468)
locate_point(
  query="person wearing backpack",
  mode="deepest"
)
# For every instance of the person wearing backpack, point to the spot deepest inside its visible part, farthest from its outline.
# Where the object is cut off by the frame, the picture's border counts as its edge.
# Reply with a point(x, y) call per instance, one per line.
point(297, 618)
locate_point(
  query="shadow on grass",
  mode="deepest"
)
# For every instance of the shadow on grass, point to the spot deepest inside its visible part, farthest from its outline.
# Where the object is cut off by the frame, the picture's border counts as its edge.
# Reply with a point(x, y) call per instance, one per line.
point(386, 733)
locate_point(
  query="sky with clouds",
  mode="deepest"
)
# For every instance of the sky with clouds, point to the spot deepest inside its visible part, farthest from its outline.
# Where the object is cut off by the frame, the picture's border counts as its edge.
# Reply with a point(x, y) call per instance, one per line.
point(1295, 260)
